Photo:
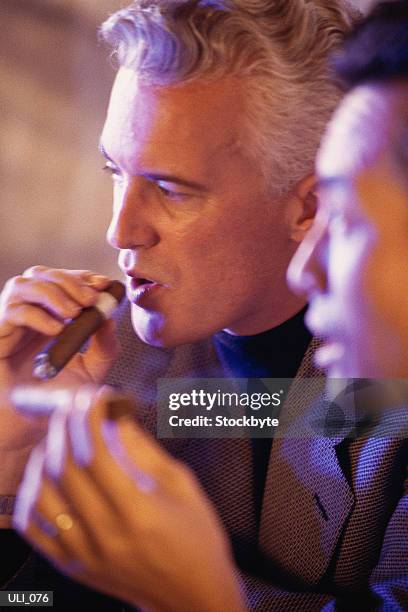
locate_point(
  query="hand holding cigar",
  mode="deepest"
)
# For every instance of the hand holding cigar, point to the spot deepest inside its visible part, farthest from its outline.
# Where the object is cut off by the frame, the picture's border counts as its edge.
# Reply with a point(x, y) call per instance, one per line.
point(59, 351)
point(39, 309)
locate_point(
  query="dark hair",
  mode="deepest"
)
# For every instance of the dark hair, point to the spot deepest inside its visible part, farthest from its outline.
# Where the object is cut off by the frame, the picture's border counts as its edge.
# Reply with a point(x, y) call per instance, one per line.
point(377, 49)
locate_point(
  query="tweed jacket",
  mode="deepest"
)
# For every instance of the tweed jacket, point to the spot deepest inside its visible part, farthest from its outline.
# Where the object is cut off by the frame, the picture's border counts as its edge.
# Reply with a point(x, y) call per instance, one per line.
point(334, 524)
point(333, 530)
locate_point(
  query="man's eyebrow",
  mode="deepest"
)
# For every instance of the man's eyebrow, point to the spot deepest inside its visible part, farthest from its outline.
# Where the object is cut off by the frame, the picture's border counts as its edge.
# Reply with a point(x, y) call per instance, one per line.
point(156, 177)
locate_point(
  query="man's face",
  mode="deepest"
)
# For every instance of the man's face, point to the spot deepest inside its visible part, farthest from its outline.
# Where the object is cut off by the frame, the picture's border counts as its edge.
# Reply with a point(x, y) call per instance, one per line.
point(353, 264)
point(192, 215)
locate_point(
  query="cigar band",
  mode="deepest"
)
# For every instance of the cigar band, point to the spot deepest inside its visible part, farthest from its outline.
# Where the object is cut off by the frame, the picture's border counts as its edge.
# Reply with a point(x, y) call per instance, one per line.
point(106, 304)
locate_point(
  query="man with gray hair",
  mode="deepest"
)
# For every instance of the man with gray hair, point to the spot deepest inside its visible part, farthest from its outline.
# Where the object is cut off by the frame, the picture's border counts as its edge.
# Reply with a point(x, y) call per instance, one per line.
point(213, 125)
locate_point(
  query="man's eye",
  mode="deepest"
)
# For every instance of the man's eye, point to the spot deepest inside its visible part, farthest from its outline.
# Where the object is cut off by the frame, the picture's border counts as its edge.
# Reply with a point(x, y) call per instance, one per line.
point(111, 169)
point(177, 196)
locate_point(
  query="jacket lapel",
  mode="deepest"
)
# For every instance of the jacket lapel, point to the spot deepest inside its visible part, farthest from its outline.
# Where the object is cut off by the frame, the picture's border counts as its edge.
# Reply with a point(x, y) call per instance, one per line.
point(307, 498)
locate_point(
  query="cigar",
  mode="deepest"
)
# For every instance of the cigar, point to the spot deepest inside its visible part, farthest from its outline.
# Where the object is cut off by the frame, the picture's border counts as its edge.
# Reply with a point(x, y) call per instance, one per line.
point(50, 361)
point(35, 400)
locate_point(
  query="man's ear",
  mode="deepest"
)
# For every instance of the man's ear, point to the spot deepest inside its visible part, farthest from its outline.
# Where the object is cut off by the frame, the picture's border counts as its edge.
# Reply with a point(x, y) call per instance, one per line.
point(301, 208)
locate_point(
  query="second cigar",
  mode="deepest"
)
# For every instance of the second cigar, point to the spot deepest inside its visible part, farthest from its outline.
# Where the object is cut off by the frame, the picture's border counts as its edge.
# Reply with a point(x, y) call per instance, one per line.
point(63, 347)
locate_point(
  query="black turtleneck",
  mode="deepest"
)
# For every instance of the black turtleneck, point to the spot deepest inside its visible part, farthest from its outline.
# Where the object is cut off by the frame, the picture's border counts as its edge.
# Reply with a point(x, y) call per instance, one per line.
point(276, 353)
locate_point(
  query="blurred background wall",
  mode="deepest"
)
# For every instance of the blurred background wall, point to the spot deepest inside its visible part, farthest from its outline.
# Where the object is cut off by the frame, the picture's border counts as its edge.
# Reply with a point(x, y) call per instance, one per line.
point(54, 87)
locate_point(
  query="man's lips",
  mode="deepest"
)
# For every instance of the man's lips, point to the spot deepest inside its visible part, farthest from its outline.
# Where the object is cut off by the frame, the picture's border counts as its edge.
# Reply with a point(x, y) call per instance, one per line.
point(135, 283)
point(322, 324)
point(141, 287)
point(136, 278)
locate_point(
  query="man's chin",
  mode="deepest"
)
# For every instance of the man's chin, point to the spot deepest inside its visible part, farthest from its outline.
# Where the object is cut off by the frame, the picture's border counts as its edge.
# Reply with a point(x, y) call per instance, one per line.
point(349, 369)
point(148, 326)
point(154, 328)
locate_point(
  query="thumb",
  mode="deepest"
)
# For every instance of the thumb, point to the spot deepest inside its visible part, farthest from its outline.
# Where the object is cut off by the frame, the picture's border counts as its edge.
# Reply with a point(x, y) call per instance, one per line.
point(102, 351)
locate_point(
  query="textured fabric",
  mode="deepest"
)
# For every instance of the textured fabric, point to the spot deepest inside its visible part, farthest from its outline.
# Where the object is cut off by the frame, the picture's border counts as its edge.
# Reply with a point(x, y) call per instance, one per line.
point(333, 534)
point(276, 353)
point(320, 541)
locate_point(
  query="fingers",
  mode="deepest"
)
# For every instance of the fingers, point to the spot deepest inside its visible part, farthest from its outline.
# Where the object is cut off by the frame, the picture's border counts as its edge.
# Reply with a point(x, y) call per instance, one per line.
point(43, 516)
point(106, 416)
point(55, 298)
point(61, 526)
point(80, 285)
point(39, 321)
point(102, 350)
point(101, 427)
point(71, 451)
point(41, 299)
point(92, 425)
point(29, 488)
point(142, 451)
point(88, 462)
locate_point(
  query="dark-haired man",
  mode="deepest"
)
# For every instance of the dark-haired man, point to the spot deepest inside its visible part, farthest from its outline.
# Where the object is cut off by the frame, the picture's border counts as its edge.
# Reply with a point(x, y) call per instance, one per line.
point(353, 265)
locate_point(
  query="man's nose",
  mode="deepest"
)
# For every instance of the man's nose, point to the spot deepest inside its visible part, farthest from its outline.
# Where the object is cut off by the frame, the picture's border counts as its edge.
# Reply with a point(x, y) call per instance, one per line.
point(307, 272)
point(131, 225)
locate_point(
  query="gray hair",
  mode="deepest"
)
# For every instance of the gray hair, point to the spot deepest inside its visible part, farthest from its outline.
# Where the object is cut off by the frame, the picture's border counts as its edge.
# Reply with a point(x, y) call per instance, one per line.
point(278, 49)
